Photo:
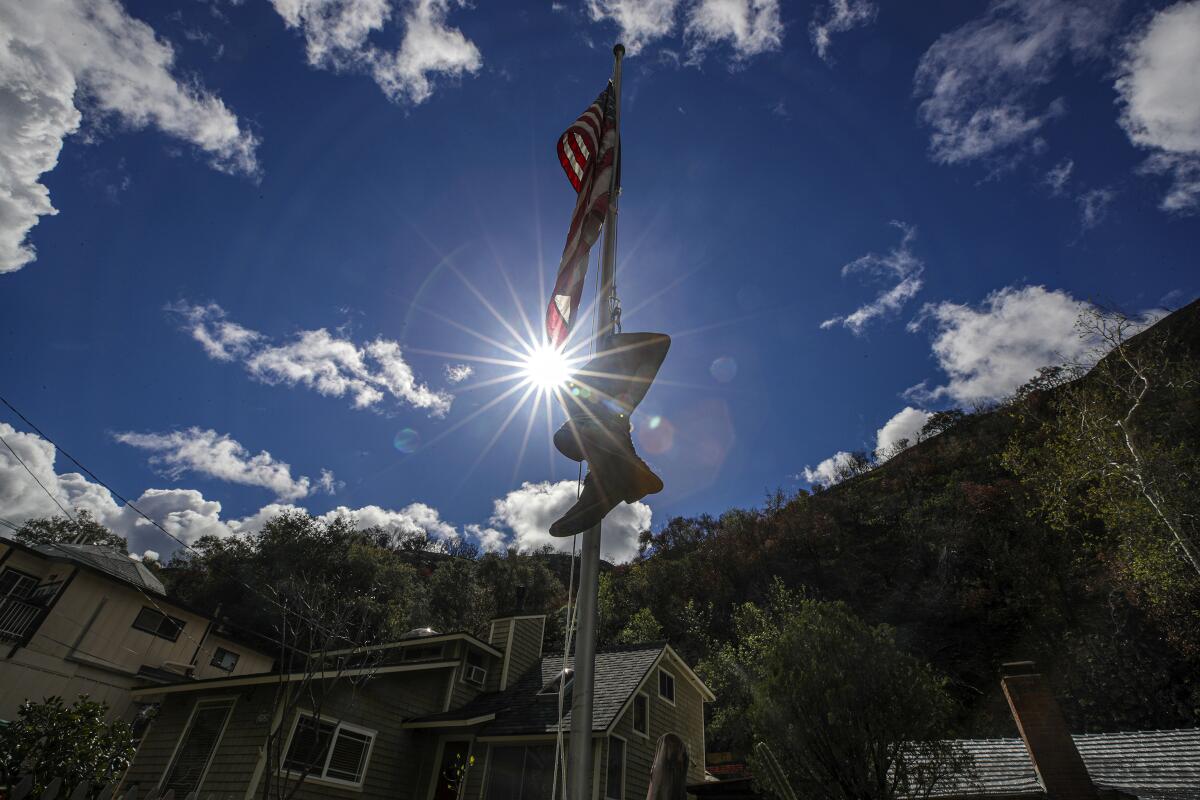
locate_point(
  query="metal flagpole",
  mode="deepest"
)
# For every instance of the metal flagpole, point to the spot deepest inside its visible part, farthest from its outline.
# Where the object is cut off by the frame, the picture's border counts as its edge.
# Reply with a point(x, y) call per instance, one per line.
point(579, 770)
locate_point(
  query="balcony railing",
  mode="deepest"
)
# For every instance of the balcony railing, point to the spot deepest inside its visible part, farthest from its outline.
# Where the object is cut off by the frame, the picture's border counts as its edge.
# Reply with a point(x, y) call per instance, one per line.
point(16, 618)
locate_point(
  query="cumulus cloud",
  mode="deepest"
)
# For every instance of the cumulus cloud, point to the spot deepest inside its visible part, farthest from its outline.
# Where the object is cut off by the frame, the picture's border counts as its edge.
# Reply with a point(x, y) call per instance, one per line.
point(989, 351)
point(830, 471)
point(457, 373)
point(188, 515)
point(979, 84)
point(61, 57)
point(906, 424)
point(749, 27)
point(337, 37)
point(838, 16)
point(219, 456)
point(1160, 107)
point(640, 21)
point(316, 359)
point(529, 511)
point(900, 266)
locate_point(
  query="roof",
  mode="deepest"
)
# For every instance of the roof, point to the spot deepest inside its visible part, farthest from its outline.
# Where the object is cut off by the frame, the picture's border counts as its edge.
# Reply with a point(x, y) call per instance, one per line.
point(519, 710)
point(109, 560)
point(1148, 764)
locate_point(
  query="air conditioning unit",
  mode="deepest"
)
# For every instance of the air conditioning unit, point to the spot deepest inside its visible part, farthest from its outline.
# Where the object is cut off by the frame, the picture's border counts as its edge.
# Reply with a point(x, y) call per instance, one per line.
point(475, 675)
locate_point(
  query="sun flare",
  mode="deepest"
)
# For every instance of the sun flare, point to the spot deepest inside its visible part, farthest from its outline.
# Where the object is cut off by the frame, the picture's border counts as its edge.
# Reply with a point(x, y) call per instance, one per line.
point(546, 367)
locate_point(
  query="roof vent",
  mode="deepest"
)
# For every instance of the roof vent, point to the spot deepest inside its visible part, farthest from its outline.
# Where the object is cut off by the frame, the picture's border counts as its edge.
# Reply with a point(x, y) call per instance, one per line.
point(418, 633)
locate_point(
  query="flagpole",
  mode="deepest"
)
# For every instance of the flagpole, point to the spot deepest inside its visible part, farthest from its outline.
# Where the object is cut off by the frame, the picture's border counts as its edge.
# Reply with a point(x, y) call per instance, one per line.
point(579, 772)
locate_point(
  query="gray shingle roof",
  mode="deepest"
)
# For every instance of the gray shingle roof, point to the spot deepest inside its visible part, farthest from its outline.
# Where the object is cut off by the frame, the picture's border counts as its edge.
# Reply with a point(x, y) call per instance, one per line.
point(1148, 764)
point(520, 711)
point(108, 560)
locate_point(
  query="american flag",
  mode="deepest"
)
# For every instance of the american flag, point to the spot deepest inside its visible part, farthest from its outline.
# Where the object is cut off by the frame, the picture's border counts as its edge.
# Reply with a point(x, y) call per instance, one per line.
point(587, 152)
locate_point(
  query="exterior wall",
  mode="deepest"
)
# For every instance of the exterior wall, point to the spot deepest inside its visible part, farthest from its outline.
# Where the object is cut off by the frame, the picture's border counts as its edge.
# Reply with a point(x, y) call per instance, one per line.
point(380, 703)
point(520, 639)
point(685, 718)
point(87, 643)
point(250, 661)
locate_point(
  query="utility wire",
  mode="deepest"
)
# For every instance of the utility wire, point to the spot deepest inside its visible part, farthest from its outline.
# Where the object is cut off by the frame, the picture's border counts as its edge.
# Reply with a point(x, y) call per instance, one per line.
point(316, 625)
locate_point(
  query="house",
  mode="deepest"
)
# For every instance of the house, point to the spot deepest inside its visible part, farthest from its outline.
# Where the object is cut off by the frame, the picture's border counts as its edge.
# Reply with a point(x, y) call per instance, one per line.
point(87, 619)
point(1047, 761)
point(430, 715)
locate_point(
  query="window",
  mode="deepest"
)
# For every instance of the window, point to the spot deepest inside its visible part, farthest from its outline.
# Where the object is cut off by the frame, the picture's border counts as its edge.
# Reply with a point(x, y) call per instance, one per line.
point(224, 659)
point(196, 747)
point(520, 772)
point(474, 672)
point(16, 584)
point(666, 686)
point(151, 620)
point(329, 750)
point(614, 786)
point(641, 714)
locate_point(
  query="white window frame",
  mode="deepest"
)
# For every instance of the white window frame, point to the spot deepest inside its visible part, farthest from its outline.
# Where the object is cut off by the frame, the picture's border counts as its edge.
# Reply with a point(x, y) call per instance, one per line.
point(674, 686)
point(467, 665)
point(633, 715)
point(624, 766)
point(312, 777)
point(232, 700)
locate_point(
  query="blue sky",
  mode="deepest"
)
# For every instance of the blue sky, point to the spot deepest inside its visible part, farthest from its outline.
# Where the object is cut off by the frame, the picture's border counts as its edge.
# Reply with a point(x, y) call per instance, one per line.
point(275, 222)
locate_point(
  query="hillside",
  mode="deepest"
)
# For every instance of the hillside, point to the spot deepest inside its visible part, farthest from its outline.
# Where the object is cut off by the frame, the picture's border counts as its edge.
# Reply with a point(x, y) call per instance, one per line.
point(950, 547)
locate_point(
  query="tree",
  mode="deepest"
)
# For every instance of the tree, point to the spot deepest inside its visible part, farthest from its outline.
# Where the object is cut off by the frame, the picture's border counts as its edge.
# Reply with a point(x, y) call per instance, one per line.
point(51, 740)
point(848, 714)
point(642, 627)
point(1110, 453)
point(83, 529)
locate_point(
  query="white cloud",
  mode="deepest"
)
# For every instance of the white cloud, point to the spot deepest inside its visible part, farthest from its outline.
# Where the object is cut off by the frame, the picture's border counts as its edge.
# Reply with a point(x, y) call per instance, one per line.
point(1093, 206)
point(989, 351)
point(906, 424)
point(830, 471)
point(899, 265)
point(58, 56)
point(640, 21)
point(979, 83)
point(149, 555)
point(750, 27)
point(219, 456)
point(1160, 106)
point(188, 515)
point(337, 37)
point(529, 511)
point(457, 373)
point(1058, 176)
point(316, 359)
point(838, 16)
point(415, 519)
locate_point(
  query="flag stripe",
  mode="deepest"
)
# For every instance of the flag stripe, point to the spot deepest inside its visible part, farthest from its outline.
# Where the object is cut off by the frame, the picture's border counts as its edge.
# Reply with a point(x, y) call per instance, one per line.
point(587, 153)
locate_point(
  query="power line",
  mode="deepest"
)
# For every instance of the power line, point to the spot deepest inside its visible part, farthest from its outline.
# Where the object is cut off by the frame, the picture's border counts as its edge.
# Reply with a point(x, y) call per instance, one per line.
point(35, 477)
point(125, 501)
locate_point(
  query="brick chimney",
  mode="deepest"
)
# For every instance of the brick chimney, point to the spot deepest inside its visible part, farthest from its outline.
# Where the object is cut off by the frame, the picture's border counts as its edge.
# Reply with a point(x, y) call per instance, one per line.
point(1044, 731)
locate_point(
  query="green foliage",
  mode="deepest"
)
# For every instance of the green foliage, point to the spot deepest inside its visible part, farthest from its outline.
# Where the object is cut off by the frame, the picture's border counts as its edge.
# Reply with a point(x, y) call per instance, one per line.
point(83, 529)
point(1110, 460)
point(51, 740)
point(642, 627)
point(847, 713)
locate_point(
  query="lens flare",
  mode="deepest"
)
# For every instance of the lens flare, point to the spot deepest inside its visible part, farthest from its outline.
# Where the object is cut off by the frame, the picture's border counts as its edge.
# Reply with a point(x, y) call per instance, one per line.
point(546, 368)
point(406, 441)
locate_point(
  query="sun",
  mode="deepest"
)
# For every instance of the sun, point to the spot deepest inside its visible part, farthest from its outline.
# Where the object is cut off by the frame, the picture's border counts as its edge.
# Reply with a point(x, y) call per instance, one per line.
point(546, 367)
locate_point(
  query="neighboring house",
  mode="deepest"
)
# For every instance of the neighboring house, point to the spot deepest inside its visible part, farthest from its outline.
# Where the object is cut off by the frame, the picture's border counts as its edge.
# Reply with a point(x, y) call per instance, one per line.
point(426, 706)
point(1049, 762)
point(86, 619)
